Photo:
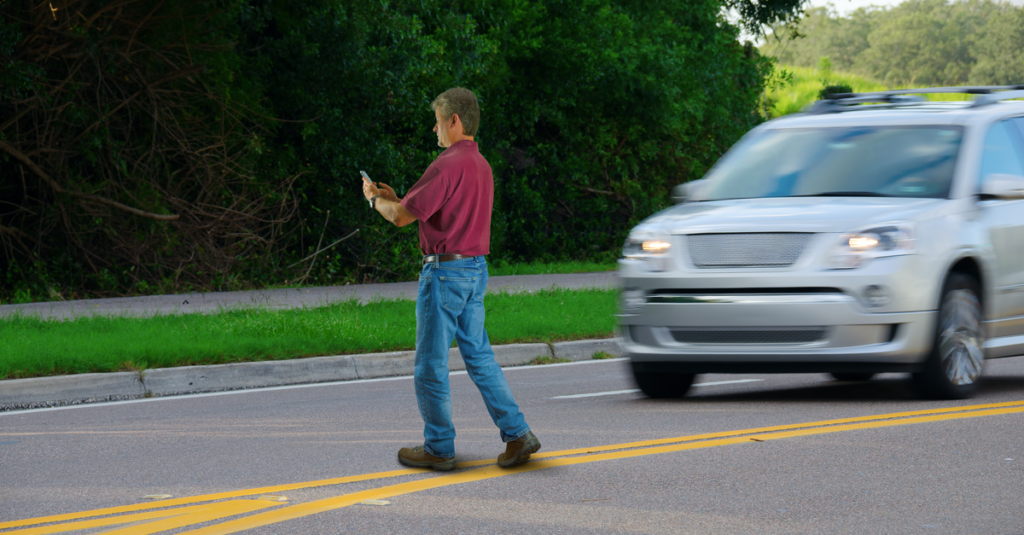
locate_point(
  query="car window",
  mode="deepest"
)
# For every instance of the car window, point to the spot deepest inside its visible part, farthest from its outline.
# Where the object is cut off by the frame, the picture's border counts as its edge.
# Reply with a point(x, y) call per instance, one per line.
point(1001, 154)
point(840, 161)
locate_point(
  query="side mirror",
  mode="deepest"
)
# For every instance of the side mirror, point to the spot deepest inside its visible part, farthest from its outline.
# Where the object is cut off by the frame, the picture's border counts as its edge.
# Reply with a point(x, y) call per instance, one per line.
point(687, 190)
point(1003, 186)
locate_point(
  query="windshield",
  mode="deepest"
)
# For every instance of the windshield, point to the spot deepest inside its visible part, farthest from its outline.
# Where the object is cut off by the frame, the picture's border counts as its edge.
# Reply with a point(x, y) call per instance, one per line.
point(854, 161)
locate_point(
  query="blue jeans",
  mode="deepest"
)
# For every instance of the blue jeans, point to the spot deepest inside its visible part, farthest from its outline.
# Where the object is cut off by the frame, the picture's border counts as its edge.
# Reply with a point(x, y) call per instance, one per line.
point(450, 305)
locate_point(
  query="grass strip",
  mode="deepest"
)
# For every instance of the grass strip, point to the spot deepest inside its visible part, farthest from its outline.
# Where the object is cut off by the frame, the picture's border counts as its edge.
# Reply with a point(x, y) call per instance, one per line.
point(33, 347)
point(500, 267)
point(806, 84)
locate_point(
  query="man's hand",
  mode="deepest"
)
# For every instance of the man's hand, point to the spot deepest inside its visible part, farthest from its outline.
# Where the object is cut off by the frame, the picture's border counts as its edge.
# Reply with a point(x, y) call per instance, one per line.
point(388, 203)
point(387, 193)
point(369, 189)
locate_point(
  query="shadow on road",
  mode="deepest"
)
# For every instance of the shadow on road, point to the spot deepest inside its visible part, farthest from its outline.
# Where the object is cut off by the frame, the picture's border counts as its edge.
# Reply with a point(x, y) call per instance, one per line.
point(883, 389)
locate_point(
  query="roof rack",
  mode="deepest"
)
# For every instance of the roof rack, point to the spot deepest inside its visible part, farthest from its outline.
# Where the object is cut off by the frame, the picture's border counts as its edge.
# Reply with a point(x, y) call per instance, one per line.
point(838, 102)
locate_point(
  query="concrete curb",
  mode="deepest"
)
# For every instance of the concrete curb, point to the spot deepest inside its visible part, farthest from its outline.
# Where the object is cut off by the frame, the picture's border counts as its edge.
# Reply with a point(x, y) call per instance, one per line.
point(96, 387)
point(70, 389)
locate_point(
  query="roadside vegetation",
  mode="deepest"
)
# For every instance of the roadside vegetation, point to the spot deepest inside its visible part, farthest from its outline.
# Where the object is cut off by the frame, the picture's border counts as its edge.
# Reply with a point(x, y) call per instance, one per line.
point(916, 43)
point(154, 148)
point(495, 268)
point(501, 268)
point(799, 86)
point(31, 347)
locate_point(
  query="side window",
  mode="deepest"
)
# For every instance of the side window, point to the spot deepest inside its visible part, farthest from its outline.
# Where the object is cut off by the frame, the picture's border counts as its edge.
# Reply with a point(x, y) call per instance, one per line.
point(1002, 155)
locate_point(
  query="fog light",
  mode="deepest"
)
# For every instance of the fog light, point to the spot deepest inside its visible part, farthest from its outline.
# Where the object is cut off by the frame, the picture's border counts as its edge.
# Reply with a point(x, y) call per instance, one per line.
point(633, 299)
point(876, 296)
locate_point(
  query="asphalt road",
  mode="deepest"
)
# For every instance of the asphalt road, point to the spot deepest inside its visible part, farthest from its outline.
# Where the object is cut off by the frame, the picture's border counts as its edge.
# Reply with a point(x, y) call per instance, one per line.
point(610, 463)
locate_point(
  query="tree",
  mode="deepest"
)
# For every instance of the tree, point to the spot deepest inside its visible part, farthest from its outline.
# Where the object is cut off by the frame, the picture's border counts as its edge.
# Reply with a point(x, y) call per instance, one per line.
point(925, 42)
point(129, 148)
point(592, 111)
point(216, 144)
point(821, 32)
point(916, 43)
point(998, 49)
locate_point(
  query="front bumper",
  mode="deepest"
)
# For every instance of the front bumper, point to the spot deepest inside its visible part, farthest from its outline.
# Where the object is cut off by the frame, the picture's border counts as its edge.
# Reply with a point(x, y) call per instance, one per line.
point(765, 333)
point(802, 318)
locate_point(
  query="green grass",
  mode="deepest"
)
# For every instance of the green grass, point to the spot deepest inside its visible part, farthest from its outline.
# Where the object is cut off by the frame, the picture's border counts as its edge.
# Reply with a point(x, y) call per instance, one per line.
point(806, 85)
point(500, 267)
point(32, 347)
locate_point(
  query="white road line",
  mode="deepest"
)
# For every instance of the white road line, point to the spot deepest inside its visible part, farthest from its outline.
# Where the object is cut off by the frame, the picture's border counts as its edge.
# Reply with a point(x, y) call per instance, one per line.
point(595, 394)
point(273, 388)
point(617, 392)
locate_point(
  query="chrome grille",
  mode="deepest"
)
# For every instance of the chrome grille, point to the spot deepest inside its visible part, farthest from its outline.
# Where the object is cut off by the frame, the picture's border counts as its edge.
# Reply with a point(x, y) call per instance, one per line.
point(756, 250)
point(803, 335)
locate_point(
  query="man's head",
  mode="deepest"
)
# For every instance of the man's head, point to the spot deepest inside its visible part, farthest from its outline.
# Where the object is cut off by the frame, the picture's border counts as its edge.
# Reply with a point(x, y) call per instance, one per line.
point(457, 114)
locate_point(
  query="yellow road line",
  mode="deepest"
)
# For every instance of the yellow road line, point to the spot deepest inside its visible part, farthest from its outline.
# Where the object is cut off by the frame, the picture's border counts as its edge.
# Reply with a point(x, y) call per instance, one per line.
point(723, 434)
point(157, 520)
point(210, 497)
point(491, 472)
point(217, 511)
point(546, 455)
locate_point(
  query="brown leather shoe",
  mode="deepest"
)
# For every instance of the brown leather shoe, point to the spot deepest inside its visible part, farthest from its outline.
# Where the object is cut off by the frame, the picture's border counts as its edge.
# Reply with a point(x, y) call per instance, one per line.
point(419, 458)
point(518, 451)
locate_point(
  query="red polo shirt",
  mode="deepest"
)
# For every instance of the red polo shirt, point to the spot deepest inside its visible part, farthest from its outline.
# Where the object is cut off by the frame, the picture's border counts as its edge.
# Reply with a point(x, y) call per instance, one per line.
point(453, 202)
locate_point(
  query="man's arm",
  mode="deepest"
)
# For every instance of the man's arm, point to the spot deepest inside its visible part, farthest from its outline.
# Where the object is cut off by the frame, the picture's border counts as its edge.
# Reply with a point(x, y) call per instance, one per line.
point(387, 204)
point(394, 212)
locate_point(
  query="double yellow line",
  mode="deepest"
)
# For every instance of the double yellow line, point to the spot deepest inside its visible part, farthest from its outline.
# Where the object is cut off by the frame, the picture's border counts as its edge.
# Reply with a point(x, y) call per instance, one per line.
point(538, 462)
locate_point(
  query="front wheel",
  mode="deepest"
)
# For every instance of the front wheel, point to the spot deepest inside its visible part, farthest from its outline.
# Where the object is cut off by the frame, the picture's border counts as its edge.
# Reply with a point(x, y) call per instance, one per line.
point(955, 363)
point(660, 384)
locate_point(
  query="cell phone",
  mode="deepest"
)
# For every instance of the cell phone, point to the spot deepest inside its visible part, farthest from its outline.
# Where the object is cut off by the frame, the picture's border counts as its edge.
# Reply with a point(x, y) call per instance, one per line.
point(366, 176)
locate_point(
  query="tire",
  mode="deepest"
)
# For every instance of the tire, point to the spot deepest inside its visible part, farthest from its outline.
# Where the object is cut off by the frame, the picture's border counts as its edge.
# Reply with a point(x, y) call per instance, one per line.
point(956, 361)
point(662, 385)
point(852, 376)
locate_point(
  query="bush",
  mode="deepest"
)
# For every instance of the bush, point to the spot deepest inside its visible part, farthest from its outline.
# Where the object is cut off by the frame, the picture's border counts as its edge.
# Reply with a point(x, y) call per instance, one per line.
point(834, 90)
point(130, 150)
point(246, 163)
point(591, 112)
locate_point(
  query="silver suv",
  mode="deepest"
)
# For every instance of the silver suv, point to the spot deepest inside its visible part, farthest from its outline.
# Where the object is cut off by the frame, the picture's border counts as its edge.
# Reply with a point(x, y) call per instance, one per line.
point(871, 233)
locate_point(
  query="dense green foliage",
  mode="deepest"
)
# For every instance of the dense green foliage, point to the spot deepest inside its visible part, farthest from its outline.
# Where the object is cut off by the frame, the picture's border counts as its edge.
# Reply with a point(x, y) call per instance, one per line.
point(917, 43)
point(591, 111)
point(34, 347)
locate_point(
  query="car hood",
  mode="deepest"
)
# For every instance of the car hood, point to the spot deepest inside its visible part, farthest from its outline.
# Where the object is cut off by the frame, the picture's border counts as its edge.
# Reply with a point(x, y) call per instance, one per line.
point(788, 214)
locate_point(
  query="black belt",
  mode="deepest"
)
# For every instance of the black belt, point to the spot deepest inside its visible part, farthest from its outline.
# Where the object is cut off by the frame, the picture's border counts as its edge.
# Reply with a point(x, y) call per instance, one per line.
point(431, 258)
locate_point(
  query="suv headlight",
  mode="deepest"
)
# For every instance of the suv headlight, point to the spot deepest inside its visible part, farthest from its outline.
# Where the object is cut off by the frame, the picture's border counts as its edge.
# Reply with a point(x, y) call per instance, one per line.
point(857, 248)
point(652, 247)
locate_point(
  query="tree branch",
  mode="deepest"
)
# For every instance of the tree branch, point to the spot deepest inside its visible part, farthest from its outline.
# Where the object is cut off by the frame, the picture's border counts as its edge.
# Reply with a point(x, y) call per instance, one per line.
point(598, 191)
point(18, 155)
point(17, 233)
point(324, 249)
point(173, 76)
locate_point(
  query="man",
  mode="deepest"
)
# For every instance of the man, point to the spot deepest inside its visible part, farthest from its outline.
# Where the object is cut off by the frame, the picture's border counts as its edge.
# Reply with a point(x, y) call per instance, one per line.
point(453, 202)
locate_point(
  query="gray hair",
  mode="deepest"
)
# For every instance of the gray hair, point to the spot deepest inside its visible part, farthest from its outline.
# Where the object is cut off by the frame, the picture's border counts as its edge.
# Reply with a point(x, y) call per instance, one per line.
point(460, 101)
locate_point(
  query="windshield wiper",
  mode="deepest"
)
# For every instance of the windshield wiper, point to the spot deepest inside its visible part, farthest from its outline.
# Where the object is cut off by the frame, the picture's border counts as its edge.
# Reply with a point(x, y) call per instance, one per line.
point(845, 194)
